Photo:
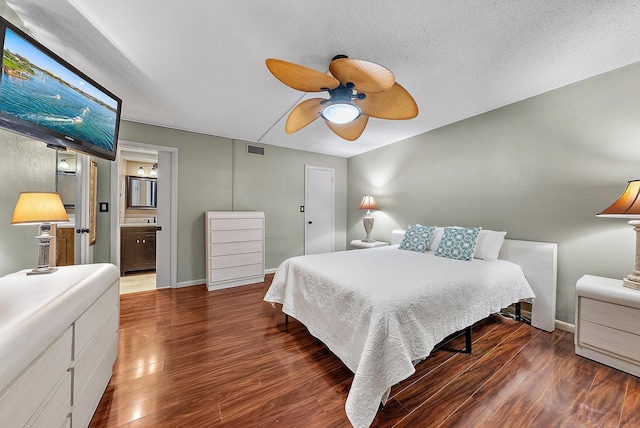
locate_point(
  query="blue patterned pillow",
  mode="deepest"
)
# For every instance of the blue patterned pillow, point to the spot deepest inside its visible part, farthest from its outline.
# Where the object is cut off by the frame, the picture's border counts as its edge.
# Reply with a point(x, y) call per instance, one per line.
point(458, 242)
point(417, 237)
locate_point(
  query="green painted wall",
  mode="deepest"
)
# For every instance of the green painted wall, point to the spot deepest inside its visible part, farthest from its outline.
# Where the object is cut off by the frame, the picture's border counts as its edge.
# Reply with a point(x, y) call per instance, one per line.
point(274, 183)
point(539, 169)
point(25, 165)
point(216, 173)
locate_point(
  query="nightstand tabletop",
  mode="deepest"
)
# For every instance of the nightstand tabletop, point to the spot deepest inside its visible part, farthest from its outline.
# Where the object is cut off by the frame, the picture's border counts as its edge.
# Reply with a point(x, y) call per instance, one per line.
point(357, 244)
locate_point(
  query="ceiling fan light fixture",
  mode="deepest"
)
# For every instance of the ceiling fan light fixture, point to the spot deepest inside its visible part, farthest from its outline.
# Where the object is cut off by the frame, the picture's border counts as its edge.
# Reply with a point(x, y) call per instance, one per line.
point(341, 113)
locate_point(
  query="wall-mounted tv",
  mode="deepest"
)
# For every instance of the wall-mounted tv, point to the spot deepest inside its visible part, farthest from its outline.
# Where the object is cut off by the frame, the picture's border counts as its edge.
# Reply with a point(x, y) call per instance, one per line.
point(44, 97)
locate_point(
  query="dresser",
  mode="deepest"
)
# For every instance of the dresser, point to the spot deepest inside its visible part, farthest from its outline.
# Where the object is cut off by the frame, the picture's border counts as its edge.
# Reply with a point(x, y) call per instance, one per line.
point(58, 344)
point(608, 323)
point(234, 248)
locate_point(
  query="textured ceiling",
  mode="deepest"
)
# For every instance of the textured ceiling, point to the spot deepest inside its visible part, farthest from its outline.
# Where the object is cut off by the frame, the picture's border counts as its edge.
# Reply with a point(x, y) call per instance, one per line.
point(198, 65)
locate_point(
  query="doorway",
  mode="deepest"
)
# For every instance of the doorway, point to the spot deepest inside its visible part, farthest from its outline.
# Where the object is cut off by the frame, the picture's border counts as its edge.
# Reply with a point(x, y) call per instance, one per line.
point(319, 209)
point(76, 182)
point(152, 225)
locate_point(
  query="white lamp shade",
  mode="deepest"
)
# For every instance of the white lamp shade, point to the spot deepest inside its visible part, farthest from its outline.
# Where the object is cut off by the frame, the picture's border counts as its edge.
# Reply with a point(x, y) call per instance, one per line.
point(368, 203)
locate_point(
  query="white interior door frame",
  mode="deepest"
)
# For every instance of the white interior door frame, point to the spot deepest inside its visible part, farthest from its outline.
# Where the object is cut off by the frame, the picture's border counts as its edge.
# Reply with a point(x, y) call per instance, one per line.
point(170, 158)
point(322, 239)
point(81, 213)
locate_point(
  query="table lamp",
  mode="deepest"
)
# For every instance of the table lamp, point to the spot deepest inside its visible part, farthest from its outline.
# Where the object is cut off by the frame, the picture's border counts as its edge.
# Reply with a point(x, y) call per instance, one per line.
point(368, 203)
point(628, 206)
point(41, 208)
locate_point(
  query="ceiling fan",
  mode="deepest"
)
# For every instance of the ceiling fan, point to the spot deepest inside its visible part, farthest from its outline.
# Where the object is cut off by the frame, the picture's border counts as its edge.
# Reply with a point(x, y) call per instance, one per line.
point(357, 90)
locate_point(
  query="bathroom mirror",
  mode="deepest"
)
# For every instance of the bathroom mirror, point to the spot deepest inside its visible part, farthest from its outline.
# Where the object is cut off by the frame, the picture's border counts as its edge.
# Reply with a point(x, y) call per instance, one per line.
point(141, 193)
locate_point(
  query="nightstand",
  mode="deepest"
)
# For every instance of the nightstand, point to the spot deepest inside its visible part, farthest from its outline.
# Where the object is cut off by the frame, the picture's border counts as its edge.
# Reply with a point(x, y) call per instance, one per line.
point(608, 323)
point(358, 244)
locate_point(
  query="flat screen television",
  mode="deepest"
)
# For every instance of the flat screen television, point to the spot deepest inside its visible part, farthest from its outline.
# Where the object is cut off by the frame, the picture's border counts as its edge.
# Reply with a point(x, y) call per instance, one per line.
point(46, 98)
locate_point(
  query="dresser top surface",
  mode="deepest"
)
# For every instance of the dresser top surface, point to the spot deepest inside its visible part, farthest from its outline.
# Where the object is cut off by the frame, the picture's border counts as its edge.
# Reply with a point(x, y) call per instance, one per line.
point(36, 309)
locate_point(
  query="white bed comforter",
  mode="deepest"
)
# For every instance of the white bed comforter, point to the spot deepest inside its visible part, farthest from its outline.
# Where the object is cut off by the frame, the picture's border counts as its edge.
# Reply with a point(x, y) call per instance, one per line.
point(381, 309)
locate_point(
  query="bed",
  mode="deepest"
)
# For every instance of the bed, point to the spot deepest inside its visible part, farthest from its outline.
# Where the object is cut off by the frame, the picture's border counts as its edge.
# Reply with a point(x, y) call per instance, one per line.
point(382, 310)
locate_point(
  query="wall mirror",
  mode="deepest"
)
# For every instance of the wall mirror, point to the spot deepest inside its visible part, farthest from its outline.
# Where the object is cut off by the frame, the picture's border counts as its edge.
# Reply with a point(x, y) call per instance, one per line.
point(141, 192)
point(66, 178)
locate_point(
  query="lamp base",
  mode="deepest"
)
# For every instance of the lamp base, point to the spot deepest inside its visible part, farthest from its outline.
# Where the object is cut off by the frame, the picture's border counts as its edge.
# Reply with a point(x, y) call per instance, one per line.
point(633, 280)
point(368, 225)
point(41, 271)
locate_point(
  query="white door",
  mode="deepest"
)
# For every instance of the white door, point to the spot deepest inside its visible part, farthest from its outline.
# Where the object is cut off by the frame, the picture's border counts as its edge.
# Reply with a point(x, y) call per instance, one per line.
point(319, 210)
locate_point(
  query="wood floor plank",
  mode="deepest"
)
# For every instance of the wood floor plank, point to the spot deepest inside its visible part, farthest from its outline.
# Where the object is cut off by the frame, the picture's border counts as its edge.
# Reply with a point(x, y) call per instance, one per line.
point(193, 358)
point(446, 401)
point(603, 404)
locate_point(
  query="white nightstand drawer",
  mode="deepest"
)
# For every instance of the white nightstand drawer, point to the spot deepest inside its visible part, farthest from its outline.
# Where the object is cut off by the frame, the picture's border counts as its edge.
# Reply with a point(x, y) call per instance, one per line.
point(610, 341)
point(611, 315)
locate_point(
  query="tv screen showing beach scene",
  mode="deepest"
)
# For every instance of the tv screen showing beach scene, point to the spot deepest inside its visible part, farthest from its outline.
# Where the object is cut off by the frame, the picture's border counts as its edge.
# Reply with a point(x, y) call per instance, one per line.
point(43, 96)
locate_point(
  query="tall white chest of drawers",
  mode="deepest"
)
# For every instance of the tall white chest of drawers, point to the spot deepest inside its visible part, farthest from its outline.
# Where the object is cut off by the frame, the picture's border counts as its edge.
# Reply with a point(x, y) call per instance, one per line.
point(234, 248)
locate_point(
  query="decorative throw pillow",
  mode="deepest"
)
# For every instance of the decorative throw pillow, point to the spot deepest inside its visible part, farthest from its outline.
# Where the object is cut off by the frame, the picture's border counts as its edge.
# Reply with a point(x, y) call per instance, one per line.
point(458, 242)
point(417, 238)
point(489, 244)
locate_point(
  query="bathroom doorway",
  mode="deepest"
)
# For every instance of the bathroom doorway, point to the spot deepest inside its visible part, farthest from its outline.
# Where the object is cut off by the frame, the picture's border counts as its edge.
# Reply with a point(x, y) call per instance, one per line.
point(144, 200)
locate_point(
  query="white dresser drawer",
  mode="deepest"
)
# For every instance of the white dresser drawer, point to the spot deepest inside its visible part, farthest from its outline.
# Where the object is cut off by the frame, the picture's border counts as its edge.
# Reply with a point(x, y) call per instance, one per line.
point(222, 236)
point(610, 341)
point(221, 262)
point(236, 272)
point(235, 223)
point(227, 248)
point(84, 367)
point(87, 403)
point(92, 320)
point(58, 408)
point(612, 315)
point(21, 399)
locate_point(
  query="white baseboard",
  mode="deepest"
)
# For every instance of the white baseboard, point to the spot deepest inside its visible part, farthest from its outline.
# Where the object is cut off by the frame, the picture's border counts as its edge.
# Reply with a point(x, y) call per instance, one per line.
point(561, 325)
point(191, 283)
point(268, 271)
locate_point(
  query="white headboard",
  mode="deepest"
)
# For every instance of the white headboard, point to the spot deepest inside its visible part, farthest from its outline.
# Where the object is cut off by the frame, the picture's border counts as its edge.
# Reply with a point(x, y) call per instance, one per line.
point(539, 264)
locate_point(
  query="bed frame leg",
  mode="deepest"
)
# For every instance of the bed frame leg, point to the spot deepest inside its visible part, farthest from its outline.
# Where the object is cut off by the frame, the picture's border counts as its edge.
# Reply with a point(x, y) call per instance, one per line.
point(468, 346)
point(518, 312)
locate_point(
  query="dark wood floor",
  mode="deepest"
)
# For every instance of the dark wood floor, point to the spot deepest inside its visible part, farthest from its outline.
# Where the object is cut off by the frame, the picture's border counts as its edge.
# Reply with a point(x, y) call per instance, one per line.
point(192, 358)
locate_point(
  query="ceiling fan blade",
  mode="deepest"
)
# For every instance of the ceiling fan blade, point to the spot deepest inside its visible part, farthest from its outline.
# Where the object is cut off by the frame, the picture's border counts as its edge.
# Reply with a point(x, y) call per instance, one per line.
point(349, 131)
point(394, 104)
point(367, 77)
point(303, 114)
point(299, 77)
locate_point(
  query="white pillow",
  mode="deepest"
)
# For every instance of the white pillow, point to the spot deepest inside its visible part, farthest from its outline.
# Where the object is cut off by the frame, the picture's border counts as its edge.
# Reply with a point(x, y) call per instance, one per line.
point(435, 241)
point(489, 244)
